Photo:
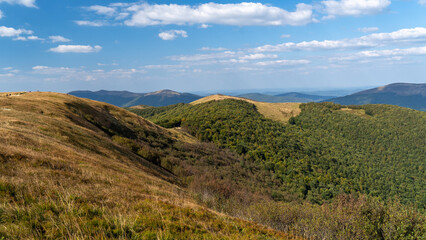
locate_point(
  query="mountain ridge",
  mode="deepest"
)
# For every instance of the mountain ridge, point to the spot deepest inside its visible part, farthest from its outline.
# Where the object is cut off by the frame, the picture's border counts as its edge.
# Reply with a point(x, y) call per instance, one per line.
point(409, 95)
point(127, 99)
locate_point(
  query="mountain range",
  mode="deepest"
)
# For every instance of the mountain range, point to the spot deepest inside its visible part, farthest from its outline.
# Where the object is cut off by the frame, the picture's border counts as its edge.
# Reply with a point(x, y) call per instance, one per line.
point(128, 99)
point(284, 97)
point(401, 94)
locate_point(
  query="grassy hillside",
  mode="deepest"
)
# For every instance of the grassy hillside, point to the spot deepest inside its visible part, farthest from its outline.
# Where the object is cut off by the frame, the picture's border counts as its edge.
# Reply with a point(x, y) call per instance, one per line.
point(73, 168)
point(325, 151)
point(79, 169)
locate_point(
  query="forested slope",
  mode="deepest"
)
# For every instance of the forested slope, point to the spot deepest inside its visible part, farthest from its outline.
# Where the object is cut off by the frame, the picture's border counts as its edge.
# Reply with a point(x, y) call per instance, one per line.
point(325, 151)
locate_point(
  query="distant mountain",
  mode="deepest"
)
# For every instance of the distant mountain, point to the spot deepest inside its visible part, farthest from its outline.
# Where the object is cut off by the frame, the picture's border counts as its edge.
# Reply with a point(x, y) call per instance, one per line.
point(162, 98)
point(117, 98)
point(128, 99)
point(285, 97)
point(401, 94)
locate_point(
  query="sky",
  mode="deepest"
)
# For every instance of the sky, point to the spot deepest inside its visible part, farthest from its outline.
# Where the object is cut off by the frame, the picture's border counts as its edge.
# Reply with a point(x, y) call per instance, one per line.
point(189, 46)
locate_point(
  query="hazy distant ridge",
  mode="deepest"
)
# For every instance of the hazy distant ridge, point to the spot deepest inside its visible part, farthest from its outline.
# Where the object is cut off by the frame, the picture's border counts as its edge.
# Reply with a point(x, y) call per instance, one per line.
point(401, 94)
point(284, 97)
point(128, 99)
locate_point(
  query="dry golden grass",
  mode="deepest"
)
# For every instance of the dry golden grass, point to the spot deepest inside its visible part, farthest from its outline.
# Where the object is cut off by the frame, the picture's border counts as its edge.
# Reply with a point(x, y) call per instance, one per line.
point(358, 112)
point(139, 107)
point(281, 112)
point(63, 177)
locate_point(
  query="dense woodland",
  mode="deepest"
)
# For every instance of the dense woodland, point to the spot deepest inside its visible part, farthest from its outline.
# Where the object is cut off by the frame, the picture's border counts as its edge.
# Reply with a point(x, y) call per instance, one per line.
point(326, 151)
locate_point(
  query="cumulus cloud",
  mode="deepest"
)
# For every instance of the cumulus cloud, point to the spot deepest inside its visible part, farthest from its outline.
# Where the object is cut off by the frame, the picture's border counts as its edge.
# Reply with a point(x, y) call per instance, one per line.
point(203, 57)
point(102, 10)
point(172, 34)
point(258, 56)
point(76, 49)
point(213, 49)
point(354, 7)
point(26, 3)
point(68, 73)
point(239, 14)
point(40, 67)
point(24, 38)
point(393, 54)
point(283, 62)
point(368, 29)
point(12, 32)
point(372, 40)
point(55, 39)
point(91, 23)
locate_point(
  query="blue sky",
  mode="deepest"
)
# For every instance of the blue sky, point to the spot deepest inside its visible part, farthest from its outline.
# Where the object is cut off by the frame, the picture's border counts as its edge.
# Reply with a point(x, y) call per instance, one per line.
point(143, 46)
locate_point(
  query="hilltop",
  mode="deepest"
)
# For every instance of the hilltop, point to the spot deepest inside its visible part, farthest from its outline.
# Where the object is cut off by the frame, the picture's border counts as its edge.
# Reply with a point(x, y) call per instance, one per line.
point(284, 97)
point(275, 111)
point(76, 168)
point(323, 151)
point(127, 99)
point(400, 94)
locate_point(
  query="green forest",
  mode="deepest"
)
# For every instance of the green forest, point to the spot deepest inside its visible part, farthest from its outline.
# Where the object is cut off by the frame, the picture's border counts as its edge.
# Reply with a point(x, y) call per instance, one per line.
point(326, 151)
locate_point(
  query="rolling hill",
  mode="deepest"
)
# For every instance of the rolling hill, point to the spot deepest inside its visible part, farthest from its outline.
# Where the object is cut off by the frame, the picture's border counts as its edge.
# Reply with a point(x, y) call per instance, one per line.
point(284, 97)
point(274, 111)
point(128, 99)
point(74, 168)
point(400, 94)
point(323, 150)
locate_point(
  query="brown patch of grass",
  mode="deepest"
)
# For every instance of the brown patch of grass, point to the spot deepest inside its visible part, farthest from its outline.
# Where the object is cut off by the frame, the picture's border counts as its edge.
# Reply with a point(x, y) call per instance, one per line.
point(358, 112)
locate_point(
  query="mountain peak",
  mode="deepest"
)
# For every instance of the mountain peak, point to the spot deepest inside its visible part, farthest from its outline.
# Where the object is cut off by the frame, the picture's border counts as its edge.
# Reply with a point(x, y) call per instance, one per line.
point(163, 92)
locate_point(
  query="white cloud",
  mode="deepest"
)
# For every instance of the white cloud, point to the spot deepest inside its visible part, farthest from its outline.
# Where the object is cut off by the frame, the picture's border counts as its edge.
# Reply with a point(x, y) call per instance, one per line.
point(283, 62)
point(40, 67)
point(368, 29)
point(34, 38)
point(258, 56)
point(285, 36)
point(102, 10)
point(202, 57)
point(422, 2)
point(213, 49)
point(7, 75)
point(394, 54)
point(71, 74)
point(12, 32)
point(239, 14)
point(372, 40)
point(354, 7)
point(59, 39)
point(76, 49)
point(172, 34)
point(26, 3)
point(91, 23)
